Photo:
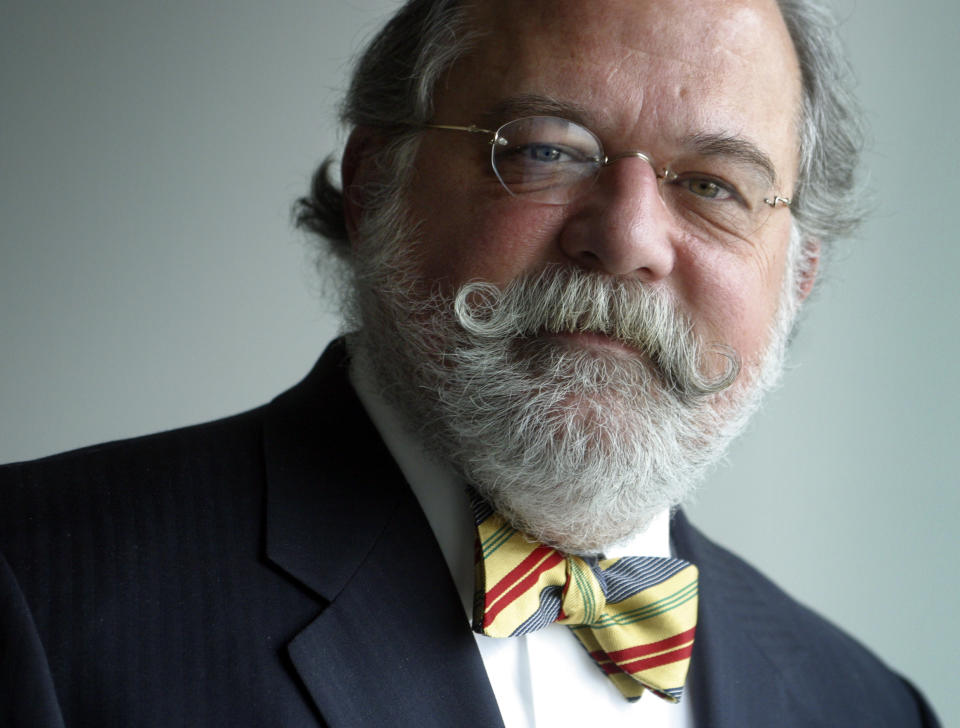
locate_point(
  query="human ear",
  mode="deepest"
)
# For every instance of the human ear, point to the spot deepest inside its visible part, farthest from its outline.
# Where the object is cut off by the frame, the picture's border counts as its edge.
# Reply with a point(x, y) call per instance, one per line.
point(809, 264)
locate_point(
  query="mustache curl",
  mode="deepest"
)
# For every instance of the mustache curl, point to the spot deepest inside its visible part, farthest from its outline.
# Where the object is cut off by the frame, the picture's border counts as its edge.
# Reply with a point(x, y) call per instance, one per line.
point(570, 300)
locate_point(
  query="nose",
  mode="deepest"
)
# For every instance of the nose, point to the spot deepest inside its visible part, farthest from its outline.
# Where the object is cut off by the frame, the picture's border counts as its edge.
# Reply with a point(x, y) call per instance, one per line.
point(622, 228)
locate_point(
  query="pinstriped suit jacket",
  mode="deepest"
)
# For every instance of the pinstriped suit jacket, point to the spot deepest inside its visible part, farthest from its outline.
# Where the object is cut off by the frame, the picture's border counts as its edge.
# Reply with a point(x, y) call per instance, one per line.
point(273, 569)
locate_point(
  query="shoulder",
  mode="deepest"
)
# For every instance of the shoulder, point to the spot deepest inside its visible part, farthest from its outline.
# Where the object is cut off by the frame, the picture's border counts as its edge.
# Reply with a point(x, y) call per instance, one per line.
point(190, 489)
point(752, 628)
point(223, 454)
point(65, 485)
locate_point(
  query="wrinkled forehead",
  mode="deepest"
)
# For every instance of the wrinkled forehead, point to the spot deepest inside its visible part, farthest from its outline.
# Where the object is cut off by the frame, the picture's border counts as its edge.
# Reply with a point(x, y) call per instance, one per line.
point(675, 67)
point(696, 29)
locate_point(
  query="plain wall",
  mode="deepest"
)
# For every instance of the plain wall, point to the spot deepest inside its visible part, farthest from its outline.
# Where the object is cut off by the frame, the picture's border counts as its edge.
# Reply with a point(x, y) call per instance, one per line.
point(150, 278)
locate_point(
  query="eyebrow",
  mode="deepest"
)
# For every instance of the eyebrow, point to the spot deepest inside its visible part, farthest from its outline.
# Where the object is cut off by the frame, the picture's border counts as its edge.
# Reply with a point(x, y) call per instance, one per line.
point(708, 144)
point(737, 148)
point(536, 105)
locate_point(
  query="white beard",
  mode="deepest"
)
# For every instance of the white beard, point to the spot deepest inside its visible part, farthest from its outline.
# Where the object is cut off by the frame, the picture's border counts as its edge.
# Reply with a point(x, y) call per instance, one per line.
point(577, 448)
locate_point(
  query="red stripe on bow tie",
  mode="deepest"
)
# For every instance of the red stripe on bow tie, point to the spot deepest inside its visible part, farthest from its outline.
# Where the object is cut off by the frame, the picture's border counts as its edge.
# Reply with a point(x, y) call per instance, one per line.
point(509, 588)
point(632, 653)
point(665, 659)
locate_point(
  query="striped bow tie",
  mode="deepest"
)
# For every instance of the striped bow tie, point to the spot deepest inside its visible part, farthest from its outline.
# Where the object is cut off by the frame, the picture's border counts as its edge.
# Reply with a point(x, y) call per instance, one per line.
point(636, 616)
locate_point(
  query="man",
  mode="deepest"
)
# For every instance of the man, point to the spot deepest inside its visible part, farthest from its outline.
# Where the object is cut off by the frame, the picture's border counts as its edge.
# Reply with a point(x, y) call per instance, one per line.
point(578, 236)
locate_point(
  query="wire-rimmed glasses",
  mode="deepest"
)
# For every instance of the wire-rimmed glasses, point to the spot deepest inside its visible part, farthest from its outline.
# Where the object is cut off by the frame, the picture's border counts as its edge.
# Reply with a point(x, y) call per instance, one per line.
point(721, 192)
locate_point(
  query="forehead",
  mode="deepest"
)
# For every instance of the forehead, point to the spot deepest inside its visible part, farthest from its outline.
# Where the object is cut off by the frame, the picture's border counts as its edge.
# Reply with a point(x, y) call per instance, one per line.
point(661, 70)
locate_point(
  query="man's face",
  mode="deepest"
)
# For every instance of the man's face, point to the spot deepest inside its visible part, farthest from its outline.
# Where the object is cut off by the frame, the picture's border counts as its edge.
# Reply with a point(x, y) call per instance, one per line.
point(650, 76)
point(572, 386)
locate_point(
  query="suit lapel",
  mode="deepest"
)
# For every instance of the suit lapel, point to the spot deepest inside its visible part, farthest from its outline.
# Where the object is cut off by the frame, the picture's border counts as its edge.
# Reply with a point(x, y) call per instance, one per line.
point(392, 645)
point(394, 648)
point(747, 664)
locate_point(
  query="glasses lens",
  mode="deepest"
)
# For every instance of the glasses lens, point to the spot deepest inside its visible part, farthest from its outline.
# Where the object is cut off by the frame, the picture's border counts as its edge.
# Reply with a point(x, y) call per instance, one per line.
point(717, 198)
point(546, 159)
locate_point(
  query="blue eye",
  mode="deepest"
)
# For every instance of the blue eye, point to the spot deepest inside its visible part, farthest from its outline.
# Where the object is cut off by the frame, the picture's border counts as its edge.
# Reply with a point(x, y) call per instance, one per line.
point(543, 153)
point(548, 153)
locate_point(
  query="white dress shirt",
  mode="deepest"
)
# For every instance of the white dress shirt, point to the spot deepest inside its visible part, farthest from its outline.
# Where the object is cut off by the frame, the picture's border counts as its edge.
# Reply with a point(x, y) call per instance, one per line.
point(544, 678)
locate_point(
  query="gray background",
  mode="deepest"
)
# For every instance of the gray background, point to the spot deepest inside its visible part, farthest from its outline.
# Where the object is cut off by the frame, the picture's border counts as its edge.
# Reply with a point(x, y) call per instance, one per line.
point(150, 278)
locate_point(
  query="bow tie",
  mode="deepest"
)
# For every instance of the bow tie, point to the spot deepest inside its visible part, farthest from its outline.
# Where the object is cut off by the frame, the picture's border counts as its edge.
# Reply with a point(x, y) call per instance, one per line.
point(636, 616)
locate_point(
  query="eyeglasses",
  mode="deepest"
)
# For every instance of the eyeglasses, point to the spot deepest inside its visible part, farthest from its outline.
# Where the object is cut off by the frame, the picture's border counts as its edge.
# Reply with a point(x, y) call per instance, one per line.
point(721, 192)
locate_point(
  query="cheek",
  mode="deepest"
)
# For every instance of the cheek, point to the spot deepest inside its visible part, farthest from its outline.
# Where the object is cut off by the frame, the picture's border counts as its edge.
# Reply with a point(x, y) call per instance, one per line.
point(493, 238)
point(732, 297)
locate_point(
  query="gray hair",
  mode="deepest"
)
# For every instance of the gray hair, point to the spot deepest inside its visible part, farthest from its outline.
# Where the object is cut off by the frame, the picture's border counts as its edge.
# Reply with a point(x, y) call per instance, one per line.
point(391, 91)
point(828, 200)
point(393, 87)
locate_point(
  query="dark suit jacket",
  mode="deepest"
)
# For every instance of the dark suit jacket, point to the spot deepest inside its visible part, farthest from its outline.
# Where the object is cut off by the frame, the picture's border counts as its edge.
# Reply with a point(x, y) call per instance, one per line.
point(273, 569)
